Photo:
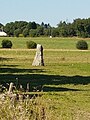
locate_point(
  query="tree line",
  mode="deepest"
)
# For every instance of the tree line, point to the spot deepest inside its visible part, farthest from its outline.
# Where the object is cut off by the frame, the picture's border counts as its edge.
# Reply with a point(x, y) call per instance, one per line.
point(79, 27)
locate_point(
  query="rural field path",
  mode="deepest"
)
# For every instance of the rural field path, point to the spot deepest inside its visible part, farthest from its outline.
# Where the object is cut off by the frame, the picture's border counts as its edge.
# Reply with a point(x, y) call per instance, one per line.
point(44, 50)
point(64, 50)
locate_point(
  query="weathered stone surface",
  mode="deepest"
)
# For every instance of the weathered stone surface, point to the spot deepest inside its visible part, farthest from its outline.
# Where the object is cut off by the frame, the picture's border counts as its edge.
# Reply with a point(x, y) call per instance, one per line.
point(38, 60)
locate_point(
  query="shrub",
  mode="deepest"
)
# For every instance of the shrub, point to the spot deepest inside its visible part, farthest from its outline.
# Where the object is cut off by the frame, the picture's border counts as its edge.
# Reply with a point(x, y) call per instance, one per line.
point(31, 45)
point(82, 45)
point(6, 44)
point(20, 35)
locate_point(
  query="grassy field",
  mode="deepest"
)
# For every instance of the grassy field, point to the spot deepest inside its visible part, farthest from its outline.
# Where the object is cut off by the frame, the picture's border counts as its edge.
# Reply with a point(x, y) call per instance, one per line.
point(48, 43)
point(65, 78)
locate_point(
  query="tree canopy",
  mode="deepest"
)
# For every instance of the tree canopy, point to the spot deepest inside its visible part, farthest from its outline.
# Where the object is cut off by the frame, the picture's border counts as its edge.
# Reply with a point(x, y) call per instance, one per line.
point(79, 27)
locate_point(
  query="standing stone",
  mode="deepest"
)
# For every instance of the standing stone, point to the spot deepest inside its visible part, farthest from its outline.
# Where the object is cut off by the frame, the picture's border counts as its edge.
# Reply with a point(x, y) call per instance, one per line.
point(38, 60)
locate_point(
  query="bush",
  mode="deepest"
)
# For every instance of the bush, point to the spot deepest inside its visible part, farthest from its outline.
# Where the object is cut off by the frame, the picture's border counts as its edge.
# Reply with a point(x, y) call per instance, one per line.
point(6, 44)
point(82, 45)
point(31, 45)
point(21, 35)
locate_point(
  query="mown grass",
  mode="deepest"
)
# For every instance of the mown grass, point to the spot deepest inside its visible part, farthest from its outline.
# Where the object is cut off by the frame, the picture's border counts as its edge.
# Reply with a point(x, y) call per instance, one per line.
point(48, 43)
point(65, 78)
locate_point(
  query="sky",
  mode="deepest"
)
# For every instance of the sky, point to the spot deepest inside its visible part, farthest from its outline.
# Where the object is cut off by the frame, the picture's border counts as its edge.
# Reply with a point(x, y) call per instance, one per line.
point(47, 11)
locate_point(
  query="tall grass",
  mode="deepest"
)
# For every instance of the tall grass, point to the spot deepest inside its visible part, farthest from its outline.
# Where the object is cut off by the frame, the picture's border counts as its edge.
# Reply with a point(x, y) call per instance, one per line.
point(28, 109)
point(71, 105)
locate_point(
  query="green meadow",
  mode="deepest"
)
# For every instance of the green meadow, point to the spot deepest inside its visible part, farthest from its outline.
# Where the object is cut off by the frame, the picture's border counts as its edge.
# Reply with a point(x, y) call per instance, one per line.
point(48, 43)
point(65, 78)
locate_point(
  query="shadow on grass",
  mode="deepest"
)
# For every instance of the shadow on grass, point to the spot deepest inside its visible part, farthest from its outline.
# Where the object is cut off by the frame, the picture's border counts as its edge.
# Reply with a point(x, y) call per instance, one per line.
point(39, 80)
point(47, 88)
point(17, 70)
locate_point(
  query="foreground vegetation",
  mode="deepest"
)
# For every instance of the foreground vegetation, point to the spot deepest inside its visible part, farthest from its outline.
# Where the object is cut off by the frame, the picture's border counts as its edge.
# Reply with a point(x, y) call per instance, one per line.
point(65, 78)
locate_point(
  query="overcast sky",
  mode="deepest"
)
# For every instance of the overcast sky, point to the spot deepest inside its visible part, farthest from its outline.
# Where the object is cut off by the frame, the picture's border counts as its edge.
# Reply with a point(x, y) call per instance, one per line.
point(47, 11)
